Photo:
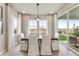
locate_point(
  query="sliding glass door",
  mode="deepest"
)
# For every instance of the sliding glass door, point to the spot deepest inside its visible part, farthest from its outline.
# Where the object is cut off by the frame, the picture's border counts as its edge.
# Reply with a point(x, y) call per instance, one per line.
point(62, 29)
point(68, 29)
point(74, 28)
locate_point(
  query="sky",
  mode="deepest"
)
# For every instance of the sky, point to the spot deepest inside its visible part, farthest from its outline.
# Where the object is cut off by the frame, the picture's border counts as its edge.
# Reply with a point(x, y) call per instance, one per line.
point(63, 23)
point(33, 23)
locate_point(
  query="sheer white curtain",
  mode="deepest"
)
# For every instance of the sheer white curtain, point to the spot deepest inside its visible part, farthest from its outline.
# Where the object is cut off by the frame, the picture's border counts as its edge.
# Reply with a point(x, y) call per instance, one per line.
point(55, 26)
point(49, 25)
point(19, 23)
point(52, 25)
point(24, 22)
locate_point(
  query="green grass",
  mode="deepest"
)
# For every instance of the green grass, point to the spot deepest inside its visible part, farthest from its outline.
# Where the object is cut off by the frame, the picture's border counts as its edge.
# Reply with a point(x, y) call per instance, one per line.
point(62, 37)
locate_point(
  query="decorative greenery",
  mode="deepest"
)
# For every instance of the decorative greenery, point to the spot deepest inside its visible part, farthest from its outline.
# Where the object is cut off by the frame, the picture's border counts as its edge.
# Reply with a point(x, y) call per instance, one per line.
point(62, 37)
point(75, 32)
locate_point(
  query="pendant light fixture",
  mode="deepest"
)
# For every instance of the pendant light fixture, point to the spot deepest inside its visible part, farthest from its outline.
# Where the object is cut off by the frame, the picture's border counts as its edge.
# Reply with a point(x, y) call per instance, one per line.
point(37, 19)
point(37, 12)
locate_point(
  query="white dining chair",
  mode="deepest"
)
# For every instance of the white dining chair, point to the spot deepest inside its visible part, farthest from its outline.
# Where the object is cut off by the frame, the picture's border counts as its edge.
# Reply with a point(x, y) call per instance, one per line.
point(46, 45)
point(33, 46)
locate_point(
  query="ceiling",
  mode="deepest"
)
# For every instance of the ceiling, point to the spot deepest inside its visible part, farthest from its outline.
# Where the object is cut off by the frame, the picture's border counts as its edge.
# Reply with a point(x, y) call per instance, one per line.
point(44, 8)
point(73, 14)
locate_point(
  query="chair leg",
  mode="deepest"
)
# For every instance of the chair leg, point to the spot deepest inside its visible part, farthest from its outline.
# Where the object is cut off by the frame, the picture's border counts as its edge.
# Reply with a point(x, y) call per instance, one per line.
point(51, 47)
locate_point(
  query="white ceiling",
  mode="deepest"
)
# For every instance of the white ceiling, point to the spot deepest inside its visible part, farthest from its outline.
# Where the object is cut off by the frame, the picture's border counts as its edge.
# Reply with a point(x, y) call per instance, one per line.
point(44, 8)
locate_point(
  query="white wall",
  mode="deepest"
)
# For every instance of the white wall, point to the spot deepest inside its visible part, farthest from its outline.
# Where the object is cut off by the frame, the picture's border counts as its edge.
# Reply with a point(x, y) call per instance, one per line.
point(12, 38)
point(9, 13)
point(3, 37)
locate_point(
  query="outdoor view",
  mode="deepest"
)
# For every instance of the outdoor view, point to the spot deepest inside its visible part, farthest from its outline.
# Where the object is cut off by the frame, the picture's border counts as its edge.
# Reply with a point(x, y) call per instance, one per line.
point(62, 28)
point(33, 27)
point(68, 29)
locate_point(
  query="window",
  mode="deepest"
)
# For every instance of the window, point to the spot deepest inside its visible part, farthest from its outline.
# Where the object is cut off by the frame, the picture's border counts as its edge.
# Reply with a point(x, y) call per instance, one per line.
point(62, 29)
point(74, 28)
point(14, 23)
point(33, 27)
point(62, 23)
point(68, 27)
point(43, 27)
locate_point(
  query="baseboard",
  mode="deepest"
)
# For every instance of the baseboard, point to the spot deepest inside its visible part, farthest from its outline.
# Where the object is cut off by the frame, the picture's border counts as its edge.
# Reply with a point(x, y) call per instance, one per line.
point(3, 51)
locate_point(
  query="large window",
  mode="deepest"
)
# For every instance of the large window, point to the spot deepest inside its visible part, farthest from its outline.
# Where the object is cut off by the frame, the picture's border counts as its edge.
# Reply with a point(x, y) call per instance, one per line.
point(43, 26)
point(62, 24)
point(34, 27)
point(14, 24)
point(62, 29)
point(74, 28)
point(73, 24)
point(68, 28)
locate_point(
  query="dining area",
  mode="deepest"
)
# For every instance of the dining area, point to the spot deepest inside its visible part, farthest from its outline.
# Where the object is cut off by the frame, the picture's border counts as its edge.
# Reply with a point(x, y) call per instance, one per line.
point(39, 45)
